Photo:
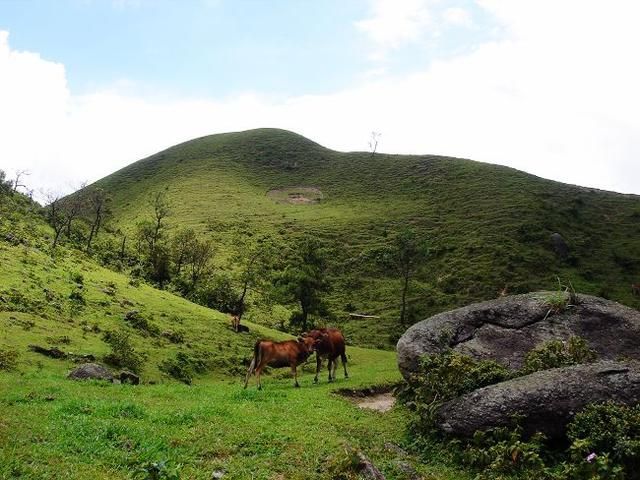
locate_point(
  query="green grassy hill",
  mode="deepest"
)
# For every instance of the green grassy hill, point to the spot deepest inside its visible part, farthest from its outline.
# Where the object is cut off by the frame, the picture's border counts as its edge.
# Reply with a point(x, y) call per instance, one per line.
point(52, 428)
point(488, 226)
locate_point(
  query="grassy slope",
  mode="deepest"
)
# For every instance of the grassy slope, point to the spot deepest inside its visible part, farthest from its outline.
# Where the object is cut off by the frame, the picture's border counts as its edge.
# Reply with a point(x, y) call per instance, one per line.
point(53, 428)
point(488, 225)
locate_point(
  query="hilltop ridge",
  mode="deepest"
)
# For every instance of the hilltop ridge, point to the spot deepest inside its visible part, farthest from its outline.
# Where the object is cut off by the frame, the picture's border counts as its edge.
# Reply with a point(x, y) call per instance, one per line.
point(488, 226)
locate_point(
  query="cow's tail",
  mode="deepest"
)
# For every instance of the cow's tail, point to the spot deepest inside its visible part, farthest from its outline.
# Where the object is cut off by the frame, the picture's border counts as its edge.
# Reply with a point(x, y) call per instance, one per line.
point(255, 361)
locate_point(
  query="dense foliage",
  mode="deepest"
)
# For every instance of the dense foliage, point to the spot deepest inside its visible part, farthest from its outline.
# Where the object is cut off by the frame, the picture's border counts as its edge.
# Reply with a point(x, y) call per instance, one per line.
point(604, 440)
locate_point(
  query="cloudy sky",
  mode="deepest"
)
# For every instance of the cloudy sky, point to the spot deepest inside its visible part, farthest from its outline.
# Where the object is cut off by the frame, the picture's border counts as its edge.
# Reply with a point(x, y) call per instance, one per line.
point(549, 87)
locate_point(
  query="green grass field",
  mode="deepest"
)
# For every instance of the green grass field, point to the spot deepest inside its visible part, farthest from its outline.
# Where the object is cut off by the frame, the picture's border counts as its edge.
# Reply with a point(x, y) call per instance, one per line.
point(488, 226)
point(55, 428)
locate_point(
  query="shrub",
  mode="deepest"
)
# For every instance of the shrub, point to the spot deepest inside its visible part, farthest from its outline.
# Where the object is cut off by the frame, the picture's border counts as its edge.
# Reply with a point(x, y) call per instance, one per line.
point(8, 359)
point(174, 336)
point(556, 353)
point(608, 429)
point(183, 367)
point(77, 278)
point(122, 354)
point(77, 296)
point(139, 322)
point(443, 377)
point(503, 451)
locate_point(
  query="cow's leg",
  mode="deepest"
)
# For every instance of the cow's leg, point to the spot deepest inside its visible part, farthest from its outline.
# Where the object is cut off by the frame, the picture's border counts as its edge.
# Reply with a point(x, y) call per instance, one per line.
point(258, 373)
point(330, 366)
point(250, 371)
point(335, 366)
point(343, 357)
point(294, 370)
point(318, 367)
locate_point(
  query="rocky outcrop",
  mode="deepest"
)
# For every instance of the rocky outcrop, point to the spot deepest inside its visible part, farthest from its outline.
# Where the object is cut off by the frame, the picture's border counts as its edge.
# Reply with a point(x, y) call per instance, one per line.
point(506, 329)
point(91, 371)
point(544, 401)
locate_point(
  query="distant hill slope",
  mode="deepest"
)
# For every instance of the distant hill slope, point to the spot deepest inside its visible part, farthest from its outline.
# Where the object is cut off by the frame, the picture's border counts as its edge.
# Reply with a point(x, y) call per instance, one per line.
point(489, 226)
point(65, 300)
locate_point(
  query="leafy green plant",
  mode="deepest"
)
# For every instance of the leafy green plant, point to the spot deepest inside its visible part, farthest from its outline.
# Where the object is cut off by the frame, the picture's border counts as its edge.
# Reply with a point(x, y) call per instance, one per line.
point(503, 451)
point(122, 353)
point(161, 470)
point(183, 367)
point(608, 429)
point(139, 322)
point(8, 359)
point(443, 377)
point(557, 353)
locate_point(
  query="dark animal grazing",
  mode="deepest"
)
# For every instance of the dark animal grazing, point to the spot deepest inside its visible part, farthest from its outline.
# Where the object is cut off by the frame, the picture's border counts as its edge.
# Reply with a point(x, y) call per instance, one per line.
point(635, 289)
point(329, 342)
point(289, 353)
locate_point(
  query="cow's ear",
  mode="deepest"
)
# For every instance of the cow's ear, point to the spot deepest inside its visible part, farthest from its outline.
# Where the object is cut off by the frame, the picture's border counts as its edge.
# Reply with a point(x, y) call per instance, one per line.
point(325, 335)
point(304, 334)
point(300, 340)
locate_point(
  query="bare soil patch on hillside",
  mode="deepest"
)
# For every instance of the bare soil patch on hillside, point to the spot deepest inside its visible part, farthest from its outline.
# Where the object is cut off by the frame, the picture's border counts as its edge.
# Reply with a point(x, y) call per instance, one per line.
point(296, 195)
point(379, 398)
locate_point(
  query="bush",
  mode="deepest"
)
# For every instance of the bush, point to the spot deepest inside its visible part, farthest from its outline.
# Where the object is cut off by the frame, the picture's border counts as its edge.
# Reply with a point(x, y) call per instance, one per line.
point(174, 336)
point(77, 296)
point(137, 321)
point(122, 355)
point(8, 359)
point(218, 293)
point(608, 429)
point(444, 377)
point(503, 451)
point(77, 278)
point(183, 367)
point(556, 353)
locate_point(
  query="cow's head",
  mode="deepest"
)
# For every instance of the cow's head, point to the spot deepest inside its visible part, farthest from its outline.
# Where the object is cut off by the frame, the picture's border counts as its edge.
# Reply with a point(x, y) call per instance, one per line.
point(308, 343)
point(320, 340)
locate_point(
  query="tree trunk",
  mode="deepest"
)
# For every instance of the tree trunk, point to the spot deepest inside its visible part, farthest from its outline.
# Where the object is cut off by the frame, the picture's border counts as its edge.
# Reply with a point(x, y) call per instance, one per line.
point(405, 288)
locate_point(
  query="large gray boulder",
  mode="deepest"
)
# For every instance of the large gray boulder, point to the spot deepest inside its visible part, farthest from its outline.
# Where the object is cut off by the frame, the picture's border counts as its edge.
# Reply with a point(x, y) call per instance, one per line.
point(91, 371)
point(506, 329)
point(545, 401)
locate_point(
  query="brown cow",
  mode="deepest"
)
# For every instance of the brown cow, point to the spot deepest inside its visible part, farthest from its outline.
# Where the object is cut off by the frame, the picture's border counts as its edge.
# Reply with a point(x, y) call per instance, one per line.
point(635, 289)
point(329, 342)
point(289, 353)
point(235, 323)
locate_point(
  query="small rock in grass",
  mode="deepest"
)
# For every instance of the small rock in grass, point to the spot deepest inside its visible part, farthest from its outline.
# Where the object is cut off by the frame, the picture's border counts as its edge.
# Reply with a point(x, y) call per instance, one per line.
point(129, 377)
point(90, 371)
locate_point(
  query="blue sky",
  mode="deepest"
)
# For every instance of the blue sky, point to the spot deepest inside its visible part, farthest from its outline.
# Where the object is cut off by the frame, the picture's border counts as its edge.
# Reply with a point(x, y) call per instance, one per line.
point(213, 48)
point(544, 86)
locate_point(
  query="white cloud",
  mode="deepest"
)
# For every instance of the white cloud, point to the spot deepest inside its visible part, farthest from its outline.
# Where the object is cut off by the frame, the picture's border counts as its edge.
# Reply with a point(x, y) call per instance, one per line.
point(394, 23)
point(556, 97)
point(457, 16)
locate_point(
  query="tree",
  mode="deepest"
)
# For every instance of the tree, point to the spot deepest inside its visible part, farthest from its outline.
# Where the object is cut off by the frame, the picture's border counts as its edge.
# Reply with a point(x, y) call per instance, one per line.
point(304, 280)
point(55, 216)
point(373, 142)
point(73, 206)
point(181, 245)
point(18, 179)
point(405, 257)
point(5, 185)
point(98, 205)
point(161, 211)
point(199, 257)
point(255, 260)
